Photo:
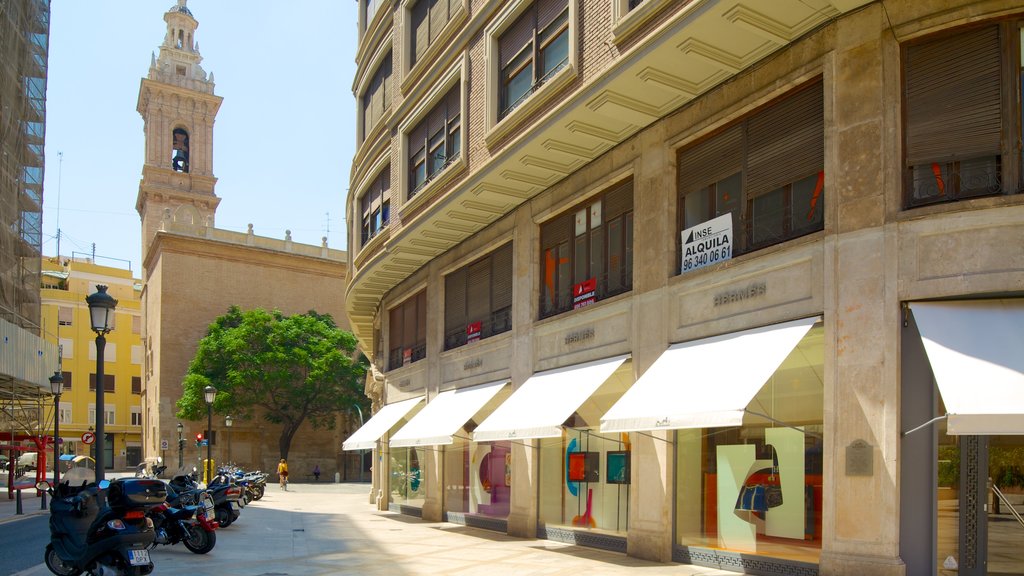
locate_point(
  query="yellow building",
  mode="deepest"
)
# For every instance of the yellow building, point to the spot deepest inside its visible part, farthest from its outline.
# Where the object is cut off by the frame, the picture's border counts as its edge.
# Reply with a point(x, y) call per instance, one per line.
point(65, 320)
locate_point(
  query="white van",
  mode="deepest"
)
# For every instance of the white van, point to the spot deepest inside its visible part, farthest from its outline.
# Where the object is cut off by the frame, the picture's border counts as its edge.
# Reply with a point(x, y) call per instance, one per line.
point(28, 461)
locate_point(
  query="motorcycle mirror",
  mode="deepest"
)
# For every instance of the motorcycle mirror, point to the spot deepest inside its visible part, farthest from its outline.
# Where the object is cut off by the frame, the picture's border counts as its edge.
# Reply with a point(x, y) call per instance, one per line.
point(104, 484)
point(42, 485)
point(159, 460)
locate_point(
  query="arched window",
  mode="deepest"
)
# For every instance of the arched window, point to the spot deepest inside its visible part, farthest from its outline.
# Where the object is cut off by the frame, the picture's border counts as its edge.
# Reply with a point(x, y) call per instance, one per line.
point(180, 39)
point(179, 150)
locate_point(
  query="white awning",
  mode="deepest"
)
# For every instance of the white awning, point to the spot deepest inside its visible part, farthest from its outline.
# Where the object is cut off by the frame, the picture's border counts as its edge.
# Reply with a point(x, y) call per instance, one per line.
point(368, 434)
point(976, 349)
point(705, 383)
point(442, 417)
point(538, 408)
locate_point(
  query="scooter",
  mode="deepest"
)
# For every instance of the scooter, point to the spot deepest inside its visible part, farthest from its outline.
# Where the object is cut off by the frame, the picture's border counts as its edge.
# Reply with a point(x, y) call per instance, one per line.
point(107, 540)
point(193, 526)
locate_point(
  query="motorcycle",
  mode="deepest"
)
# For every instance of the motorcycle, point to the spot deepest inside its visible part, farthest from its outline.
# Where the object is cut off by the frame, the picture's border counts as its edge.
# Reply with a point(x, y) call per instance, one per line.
point(111, 539)
point(191, 525)
point(226, 496)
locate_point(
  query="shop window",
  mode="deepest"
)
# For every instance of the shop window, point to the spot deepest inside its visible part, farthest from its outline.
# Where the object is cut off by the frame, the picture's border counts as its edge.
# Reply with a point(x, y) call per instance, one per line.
point(478, 478)
point(587, 253)
point(377, 97)
point(179, 150)
point(757, 489)
point(435, 142)
point(963, 115)
point(407, 479)
point(531, 51)
point(478, 299)
point(429, 18)
point(408, 332)
point(376, 206)
point(756, 183)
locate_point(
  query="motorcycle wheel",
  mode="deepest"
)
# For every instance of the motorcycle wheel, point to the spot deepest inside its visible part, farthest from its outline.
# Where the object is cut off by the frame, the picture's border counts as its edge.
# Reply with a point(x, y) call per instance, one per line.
point(224, 518)
point(247, 497)
point(199, 540)
point(259, 493)
point(56, 565)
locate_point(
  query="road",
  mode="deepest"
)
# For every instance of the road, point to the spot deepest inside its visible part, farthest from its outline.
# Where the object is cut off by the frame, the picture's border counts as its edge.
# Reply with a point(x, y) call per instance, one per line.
point(21, 548)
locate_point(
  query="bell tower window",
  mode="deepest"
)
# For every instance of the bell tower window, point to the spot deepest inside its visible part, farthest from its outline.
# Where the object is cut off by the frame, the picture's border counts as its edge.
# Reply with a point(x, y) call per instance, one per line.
point(179, 150)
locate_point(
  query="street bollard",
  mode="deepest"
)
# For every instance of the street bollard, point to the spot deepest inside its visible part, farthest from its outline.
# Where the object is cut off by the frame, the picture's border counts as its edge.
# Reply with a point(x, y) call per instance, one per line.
point(42, 503)
point(18, 510)
point(337, 477)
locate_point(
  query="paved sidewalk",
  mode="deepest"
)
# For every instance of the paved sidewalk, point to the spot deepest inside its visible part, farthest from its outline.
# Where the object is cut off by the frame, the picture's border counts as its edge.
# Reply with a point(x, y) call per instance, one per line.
point(320, 529)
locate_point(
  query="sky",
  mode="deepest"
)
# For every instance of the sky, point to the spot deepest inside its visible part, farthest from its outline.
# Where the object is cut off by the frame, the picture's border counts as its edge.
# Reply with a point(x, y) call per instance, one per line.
point(283, 138)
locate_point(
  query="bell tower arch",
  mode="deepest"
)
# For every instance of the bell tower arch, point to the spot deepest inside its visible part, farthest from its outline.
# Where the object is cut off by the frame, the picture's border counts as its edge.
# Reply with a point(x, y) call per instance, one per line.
point(178, 108)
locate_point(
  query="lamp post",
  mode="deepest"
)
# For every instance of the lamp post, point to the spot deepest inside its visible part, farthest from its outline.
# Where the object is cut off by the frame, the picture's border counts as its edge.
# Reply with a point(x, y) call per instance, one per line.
point(209, 394)
point(181, 447)
point(227, 424)
point(56, 386)
point(101, 313)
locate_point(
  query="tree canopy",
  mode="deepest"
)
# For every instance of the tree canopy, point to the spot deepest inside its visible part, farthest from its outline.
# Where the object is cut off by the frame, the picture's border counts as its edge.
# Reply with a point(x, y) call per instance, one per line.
point(284, 369)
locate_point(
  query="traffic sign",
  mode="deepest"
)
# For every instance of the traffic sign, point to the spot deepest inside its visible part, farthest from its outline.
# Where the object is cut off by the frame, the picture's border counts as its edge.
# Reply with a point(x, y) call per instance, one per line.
point(88, 438)
point(163, 444)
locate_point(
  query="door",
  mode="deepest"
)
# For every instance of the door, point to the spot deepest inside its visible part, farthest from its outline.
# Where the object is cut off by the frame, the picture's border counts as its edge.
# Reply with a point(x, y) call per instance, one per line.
point(979, 503)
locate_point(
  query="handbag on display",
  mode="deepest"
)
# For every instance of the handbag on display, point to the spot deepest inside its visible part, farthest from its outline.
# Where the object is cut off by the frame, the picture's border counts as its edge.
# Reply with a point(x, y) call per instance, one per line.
point(758, 496)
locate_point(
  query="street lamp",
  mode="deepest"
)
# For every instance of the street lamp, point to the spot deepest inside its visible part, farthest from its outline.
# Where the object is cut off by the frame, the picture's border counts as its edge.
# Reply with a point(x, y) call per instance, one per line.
point(101, 312)
point(56, 386)
point(181, 447)
point(209, 393)
point(227, 423)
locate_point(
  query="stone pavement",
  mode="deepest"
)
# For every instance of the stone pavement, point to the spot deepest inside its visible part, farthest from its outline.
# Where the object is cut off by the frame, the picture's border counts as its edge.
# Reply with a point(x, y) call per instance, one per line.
point(325, 528)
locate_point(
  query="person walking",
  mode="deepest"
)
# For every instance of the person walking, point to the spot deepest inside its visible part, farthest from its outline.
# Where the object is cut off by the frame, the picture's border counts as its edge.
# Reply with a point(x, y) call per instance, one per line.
point(316, 472)
point(282, 473)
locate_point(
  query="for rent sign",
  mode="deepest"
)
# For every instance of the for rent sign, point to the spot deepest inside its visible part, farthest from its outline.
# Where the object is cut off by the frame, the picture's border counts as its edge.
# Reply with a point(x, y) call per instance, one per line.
point(707, 243)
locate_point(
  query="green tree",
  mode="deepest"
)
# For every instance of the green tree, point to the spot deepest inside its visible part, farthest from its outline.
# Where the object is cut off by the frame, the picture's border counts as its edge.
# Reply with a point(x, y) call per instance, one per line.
point(285, 369)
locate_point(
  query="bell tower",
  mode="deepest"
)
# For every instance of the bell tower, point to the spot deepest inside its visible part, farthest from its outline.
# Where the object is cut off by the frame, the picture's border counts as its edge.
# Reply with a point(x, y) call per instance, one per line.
point(178, 108)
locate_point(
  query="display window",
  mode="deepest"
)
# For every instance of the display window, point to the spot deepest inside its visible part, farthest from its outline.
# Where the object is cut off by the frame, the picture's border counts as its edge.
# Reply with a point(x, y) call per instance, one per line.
point(757, 488)
point(478, 478)
point(407, 477)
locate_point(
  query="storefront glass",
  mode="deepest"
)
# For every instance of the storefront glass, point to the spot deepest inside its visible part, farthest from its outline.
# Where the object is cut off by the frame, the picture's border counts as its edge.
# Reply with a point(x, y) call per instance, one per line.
point(407, 476)
point(757, 488)
point(478, 478)
point(585, 481)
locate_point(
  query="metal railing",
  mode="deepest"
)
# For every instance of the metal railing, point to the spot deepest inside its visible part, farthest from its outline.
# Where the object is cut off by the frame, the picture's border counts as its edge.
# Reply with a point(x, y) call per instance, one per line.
point(1006, 502)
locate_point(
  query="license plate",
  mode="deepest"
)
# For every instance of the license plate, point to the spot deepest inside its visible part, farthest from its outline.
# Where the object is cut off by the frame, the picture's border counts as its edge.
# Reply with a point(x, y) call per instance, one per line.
point(138, 557)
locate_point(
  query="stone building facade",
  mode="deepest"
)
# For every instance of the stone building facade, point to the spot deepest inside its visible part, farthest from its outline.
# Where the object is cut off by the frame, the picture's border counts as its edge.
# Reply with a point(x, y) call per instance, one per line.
point(704, 282)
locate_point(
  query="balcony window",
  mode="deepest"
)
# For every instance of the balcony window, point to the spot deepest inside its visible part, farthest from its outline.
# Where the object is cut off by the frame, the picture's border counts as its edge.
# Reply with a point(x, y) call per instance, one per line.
point(765, 173)
point(532, 50)
point(435, 142)
point(960, 96)
point(478, 299)
point(429, 18)
point(376, 98)
point(408, 332)
point(587, 252)
point(376, 206)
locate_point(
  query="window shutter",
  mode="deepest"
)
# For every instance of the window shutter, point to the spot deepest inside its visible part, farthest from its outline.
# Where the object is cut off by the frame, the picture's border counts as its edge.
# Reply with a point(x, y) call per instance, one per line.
point(556, 231)
point(786, 141)
point(65, 315)
point(711, 160)
point(953, 97)
point(548, 11)
point(455, 301)
point(438, 17)
point(516, 37)
point(501, 278)
point(421, 318)
point(417, 138)
point(478, 289)
point(395, 337)
point(409, 323)
point(420, 25)
point(385, 84)
point(385, 184)
point(618, 201)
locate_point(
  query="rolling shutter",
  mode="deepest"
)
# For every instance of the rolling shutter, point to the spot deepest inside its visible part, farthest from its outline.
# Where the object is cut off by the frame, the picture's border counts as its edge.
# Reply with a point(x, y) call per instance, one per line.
point(501, 278)
point(478, 297)
point(548, 11)
point(516, 37)
point(786, 141)
point(711, 160)
point(455, 302)
point(438, 18)
point(618, 201)
point(420, 35)
point(953, 97)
